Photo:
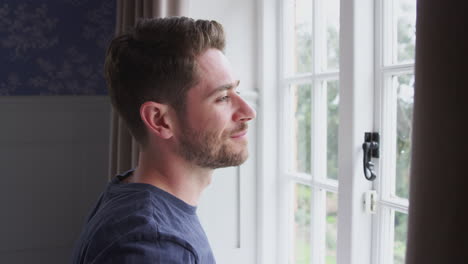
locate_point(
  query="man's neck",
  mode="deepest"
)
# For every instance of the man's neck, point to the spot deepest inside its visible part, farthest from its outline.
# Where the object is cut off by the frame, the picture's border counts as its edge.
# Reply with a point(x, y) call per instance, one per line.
point(177, 177)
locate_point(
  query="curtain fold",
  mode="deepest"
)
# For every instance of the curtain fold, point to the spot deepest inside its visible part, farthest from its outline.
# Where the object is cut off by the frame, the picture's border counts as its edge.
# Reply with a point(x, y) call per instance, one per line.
point(175, 8)
point(124, 150)
point(438, 218)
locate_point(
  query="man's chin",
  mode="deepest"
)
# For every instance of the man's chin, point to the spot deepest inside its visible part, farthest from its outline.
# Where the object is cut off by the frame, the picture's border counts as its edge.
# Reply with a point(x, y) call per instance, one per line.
point(234, 160)
point(241, 158)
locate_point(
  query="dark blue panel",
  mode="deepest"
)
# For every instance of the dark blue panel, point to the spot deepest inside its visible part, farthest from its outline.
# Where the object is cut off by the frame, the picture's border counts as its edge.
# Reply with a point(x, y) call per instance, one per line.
point(54, 47)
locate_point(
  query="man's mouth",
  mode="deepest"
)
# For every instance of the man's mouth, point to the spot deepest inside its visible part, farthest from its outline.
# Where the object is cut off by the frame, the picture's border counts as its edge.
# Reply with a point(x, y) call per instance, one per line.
point(239, 134)
point(241, 131)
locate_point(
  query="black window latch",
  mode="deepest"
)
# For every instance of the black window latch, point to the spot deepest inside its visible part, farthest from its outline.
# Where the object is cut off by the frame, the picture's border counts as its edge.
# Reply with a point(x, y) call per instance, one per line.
point(371, 150)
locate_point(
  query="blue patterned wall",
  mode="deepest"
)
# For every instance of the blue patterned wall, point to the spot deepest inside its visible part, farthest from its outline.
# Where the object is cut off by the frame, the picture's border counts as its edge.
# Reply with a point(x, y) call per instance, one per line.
point(54, 47)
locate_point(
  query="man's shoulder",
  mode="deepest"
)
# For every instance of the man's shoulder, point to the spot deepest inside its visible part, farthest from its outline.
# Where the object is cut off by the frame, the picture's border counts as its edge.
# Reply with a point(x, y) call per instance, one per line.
point(139, 245)
point(123, 210)
point(129, 220)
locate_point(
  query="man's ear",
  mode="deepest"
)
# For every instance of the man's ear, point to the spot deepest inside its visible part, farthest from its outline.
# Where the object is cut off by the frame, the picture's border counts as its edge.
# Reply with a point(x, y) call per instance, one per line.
point(157, 119)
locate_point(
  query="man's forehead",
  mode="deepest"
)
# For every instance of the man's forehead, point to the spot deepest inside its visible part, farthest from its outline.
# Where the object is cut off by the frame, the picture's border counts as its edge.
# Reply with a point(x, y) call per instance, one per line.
point(215, 73)
point(213, 63)
point(211, 57)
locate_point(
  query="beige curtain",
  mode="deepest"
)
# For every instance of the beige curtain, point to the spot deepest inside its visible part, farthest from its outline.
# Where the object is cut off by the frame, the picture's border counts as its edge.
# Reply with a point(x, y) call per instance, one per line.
point(123, 148)
point(438, 213)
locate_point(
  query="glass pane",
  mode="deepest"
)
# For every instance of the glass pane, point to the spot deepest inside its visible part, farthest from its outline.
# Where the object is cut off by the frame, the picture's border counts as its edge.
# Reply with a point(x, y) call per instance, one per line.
point(332, 14)
point(399, 246)
point(405, 30)
point(302, 195)
point(333, 101)
point(405, 97)
point(303, 36)
point(332, 227)
point(301, 128)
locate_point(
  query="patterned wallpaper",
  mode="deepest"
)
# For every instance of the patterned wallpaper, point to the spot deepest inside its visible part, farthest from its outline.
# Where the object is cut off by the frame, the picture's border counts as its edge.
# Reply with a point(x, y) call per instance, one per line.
point(54, 47)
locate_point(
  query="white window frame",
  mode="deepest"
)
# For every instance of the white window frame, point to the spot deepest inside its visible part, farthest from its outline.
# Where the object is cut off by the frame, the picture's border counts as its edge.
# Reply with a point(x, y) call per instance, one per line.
point(269, 200)
point(318, 183)
point(356, 118)
point(388, 203)
point(354, 225)
point(359, 41)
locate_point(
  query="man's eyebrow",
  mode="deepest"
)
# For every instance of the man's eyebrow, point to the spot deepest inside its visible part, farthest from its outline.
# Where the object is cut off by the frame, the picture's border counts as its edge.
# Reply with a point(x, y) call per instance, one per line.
point(224, 87)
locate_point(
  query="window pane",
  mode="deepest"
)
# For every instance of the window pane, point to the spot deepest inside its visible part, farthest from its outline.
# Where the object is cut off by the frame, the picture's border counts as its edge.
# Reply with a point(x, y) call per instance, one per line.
point(405, 29)
point(399, 246)
point(333, 101)
point(303, 36)
point(405, 96)
point(332, 227)
point(332, 14)
point(301, 128)
point(302, 195)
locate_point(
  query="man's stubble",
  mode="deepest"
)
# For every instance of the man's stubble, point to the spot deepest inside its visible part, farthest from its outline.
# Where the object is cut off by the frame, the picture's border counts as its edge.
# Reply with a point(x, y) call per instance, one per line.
point(207, 150)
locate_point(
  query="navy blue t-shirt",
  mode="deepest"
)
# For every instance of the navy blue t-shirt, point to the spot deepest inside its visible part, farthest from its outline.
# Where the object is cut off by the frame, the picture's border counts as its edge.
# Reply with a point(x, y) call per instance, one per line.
point(139, 223)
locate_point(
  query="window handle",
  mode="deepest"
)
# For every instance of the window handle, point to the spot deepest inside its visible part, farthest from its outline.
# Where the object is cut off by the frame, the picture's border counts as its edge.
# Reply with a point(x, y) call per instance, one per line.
point(371, 150)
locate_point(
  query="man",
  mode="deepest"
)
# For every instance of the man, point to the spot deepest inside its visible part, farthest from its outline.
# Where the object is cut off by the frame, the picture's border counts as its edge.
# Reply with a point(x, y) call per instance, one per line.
point(171, 83)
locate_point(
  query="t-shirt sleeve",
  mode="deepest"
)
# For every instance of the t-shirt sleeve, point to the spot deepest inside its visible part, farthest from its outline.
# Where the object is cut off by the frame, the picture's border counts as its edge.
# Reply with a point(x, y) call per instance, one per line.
point(146, 252)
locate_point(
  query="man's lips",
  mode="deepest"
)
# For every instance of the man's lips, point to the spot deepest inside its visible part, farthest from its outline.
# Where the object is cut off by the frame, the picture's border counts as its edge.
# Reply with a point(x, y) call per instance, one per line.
point(239, 134)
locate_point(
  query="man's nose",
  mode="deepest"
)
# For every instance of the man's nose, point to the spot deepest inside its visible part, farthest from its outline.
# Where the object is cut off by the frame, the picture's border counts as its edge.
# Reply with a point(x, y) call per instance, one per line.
point(244, 111)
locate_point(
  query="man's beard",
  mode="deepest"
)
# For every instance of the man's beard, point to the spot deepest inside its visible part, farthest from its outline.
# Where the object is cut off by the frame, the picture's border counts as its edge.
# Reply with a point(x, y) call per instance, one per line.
point(207, 150)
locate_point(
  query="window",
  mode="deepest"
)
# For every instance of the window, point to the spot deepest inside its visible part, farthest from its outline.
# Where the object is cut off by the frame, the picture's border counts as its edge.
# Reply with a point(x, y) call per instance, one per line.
point(321, 178)
point(395, 43)
point(310, 84)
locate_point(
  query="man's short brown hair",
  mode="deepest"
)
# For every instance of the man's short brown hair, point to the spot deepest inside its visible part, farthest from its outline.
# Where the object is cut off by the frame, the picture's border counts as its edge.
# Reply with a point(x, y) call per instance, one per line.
point(155, 61)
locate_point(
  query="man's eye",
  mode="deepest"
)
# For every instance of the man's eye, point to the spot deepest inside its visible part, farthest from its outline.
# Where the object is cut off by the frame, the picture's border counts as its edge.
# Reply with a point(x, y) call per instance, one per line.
point(224, 98)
